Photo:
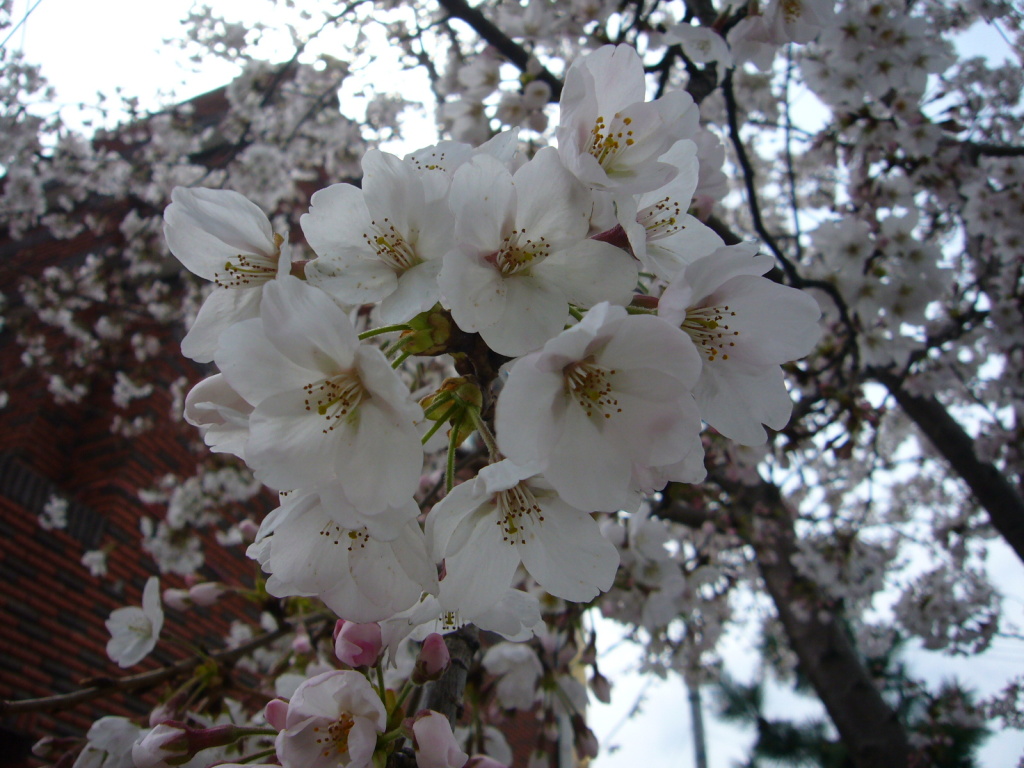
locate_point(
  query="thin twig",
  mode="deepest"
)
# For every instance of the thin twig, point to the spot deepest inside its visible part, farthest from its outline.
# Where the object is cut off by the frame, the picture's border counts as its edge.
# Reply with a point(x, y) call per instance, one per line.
point(133, 682)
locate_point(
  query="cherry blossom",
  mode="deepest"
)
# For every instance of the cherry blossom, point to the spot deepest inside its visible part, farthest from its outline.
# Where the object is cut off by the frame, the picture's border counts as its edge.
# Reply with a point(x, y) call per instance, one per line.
point(222, 237)
point(600, 404)
point(745, 326)
point(609, 136)
point(134, 631)
point(484, 528)
point(383, 242)
point(361, 578)
point(522, 253)
point(326, 408)
point(333, 720)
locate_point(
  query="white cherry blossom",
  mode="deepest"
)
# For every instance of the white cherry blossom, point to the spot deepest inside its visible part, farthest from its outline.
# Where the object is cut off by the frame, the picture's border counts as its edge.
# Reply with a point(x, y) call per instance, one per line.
point(484, 528)
point(602, 403)
point(222, 237)
point(360, 577)
point(522, 254)
point(609, 135)
point(745, 326)
point(383, 242)
point(326, 408)
point(134, 631)
point(663, 236)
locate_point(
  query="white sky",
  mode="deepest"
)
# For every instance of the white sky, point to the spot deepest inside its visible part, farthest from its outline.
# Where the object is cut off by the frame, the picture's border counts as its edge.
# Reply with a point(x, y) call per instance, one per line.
point(90, 47)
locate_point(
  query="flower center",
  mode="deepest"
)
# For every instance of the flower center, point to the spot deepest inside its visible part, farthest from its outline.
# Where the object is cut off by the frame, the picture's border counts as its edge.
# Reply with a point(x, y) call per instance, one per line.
point(590, 386)
point(391, 246)
point(141, 626)
point(335, 398)
point(249, 270)
point(336, 739)
point(709, 330)
point(517, 253)
point(352, 539)
point(518, 511)
point(606, 140)
point(662, 219)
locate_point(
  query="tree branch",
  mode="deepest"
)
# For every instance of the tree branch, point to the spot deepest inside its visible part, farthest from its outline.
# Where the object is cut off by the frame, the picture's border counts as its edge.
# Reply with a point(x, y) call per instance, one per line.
point(990, 487)
point(511, 50)
point(134, 682)
point(446, 695)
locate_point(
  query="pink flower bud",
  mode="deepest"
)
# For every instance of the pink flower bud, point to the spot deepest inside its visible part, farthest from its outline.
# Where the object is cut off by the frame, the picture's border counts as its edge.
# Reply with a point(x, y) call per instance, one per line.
point(177, 599)
point(165, 743)
point(174, 743)
point(583, 738)
point(276, 713)
point(169, 709)
point(601, 687)
point(207, 593)
point(435, 743)
point(433, 660)
point(248, 529)
point(301, 643)
point(358, 645)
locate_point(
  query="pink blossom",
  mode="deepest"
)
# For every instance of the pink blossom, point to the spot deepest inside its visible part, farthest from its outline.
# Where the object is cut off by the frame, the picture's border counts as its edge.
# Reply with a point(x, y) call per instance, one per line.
point(332, 720)
point(435, 743)
point(357, 645)
point(433, 659)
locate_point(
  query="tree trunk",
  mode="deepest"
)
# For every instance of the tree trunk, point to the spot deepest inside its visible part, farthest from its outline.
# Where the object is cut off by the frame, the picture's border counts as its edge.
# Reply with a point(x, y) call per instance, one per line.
point(866, 724)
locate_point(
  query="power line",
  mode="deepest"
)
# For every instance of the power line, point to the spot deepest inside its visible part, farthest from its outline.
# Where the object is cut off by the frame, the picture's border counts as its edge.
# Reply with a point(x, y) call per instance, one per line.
point(20, 23)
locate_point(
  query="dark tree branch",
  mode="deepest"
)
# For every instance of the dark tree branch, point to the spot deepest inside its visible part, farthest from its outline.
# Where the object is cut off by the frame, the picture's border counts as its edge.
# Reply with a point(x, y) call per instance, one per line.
point(515, 53)
point(134, 682)
point(990, 487)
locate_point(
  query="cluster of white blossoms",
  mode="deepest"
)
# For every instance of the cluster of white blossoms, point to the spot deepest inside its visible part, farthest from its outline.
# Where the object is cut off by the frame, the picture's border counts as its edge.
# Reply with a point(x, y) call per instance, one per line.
point(594, 322)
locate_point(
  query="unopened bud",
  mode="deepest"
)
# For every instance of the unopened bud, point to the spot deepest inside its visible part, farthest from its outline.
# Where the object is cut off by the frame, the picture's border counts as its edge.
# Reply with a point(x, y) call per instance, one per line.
point(432, 661)
point(301, 642)
point(358, 645)
point(248, 528)
point(434, 741)
point(583, 738)
point(429, 333)
point(177, 599)
point(207, 593)
point(166, 744)
point(174, 743)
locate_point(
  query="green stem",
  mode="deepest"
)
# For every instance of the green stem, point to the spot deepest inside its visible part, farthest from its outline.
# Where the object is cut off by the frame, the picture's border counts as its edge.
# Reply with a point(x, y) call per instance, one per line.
point(401, 359)
point(453, 444)
point(390, 736)
point(439, 423)
point(256, 756)
point(245, 732)
point(485, 433)
point(404, 693)
point(383, 329)
point(575, 312)
point(434, 407)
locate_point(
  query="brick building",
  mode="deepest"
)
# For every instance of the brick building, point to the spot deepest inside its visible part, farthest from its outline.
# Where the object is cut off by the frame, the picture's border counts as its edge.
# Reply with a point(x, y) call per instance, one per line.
point(52, 610)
